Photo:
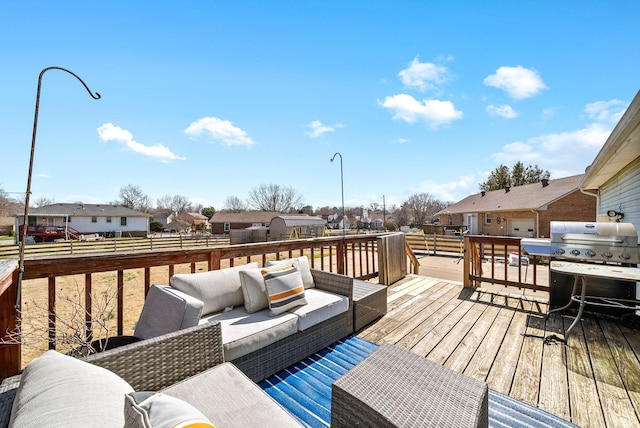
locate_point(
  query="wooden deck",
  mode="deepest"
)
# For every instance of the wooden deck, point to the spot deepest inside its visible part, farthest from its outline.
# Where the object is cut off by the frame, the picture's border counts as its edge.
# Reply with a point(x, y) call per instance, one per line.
point(593, 381)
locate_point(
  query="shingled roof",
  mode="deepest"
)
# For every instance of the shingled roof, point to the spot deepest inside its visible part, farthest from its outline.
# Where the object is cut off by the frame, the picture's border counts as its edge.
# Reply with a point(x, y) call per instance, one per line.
point(526, 197)
point(85, 210)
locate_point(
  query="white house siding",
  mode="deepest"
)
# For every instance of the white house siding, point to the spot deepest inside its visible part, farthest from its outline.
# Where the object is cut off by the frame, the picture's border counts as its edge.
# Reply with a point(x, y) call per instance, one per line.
point(84, 224)
point(622, 193)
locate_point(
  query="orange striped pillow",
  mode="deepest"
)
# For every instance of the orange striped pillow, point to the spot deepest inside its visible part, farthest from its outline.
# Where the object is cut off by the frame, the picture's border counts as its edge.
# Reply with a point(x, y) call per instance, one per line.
point(284, 287)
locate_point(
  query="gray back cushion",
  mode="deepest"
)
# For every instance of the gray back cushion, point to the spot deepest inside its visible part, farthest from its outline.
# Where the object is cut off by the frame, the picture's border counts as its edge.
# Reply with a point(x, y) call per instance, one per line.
point(218, 289)
point(61, 391)
point(167, 310)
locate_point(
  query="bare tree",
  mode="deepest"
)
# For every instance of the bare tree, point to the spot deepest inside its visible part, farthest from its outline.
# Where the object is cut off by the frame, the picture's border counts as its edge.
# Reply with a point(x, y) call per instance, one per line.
point(42, 202)
point(273, 197)
point(175, 203)
point(132, 197)
point(5, 202)
point(234, 204)
point(423, 206)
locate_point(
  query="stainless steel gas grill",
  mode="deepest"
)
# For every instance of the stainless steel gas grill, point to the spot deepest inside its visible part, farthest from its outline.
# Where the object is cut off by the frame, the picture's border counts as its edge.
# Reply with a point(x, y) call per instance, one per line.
point(600, 256)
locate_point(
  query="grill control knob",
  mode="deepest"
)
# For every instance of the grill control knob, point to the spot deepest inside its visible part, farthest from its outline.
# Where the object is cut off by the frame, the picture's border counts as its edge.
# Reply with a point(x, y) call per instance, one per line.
point(624, 256)
point(590, 253)
point(607, 255)
point(560, 251)
point(575, 252)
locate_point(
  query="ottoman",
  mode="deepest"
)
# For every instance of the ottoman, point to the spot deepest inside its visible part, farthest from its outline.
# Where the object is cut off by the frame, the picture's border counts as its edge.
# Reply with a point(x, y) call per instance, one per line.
point(393, 387)
point(369, 302)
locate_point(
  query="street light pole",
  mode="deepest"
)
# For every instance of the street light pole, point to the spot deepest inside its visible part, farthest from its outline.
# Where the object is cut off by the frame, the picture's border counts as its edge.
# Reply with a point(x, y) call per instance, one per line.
point(25, 221)
point(344, 246)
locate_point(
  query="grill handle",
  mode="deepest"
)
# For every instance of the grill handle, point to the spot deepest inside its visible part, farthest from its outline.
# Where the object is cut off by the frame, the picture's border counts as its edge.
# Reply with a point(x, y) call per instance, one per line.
point(595, 239)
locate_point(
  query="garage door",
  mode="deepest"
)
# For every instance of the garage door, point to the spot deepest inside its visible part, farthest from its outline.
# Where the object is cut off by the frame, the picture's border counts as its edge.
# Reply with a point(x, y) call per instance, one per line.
point(522, 228)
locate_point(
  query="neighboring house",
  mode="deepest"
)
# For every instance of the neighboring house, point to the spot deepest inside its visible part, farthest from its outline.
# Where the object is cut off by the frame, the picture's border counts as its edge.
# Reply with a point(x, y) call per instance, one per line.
point(336, 221)
point(161, 216)
point(615, 172)
point(296, 226)
point(524, 211)
point(223, 222)
point(110, 220)
point(187, 222)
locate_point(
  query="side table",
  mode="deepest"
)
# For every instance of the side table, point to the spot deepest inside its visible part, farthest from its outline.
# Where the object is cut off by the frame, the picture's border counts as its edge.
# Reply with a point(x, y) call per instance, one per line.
point(393, 387)
point(369, 302)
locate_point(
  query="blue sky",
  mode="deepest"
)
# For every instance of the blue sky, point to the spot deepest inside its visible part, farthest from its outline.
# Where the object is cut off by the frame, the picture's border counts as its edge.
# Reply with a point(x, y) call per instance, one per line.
point(210, 99)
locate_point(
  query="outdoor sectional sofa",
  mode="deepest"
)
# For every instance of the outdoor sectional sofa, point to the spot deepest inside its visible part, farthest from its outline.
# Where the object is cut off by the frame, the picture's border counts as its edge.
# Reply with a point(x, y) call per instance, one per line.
point(182, 352)
point(257, 341)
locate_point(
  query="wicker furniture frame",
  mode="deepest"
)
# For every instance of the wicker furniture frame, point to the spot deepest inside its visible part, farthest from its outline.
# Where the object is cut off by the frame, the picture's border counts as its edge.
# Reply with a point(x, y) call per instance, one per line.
point(393, 387)
point(148, 365)
point(271, 359)
point(369, 303)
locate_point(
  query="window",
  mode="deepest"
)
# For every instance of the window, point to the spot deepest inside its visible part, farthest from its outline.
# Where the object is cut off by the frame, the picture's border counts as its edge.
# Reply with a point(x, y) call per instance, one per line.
point(227, 227)
point(94, 219)
point(123, 221)
point(487, 218)
point(109, 219)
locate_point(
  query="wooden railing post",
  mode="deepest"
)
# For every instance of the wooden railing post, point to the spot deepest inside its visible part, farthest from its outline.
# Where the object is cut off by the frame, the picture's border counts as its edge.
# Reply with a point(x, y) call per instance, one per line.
point(467, 263)
point(10, 355)
point(340, 254)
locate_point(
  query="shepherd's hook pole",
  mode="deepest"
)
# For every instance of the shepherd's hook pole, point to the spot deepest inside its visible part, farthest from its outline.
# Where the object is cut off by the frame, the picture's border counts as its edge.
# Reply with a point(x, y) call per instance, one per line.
point(28, 192)
point(344, 243)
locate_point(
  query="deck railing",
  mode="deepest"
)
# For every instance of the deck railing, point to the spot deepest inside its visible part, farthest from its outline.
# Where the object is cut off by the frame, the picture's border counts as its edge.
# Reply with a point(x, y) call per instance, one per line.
point(506, 260)
point(353, 255)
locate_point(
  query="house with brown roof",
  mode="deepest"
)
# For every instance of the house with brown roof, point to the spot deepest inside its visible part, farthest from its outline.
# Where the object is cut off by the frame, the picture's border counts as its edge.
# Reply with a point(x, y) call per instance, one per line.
point(223, 222)
point(614, 175)
point(524, 211)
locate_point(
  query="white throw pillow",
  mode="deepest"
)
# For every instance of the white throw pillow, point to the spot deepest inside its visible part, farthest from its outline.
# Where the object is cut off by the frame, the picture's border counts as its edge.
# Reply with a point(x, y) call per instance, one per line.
point(155, 410)
point(302, 263)
point(253, 290)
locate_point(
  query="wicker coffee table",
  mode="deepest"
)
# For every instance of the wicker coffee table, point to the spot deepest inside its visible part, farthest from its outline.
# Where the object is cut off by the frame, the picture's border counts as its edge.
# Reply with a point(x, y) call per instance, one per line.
point(393, 387)
point(369, 302)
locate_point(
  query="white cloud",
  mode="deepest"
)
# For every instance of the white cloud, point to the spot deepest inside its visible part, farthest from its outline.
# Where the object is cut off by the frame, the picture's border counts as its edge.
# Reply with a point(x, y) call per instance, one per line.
point(401, 141)
point(423, 75)
point(606, 111)
point(219, 131)
point(111, 132)
point(435, 113)
point(504, 110)
point(317, 128)
point(518, 82)
point(450, 191)
point(41, 175)
point(566, 153)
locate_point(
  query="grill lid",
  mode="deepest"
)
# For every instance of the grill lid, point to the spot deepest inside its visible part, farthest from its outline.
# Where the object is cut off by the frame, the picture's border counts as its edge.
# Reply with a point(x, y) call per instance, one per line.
point(580, 241)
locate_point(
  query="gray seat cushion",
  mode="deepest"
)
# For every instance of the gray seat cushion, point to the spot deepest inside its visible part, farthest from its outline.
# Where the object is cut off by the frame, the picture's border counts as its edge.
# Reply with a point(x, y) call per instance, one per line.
point(167, 310)
point(229, 399)
point(321, 305)
point(243, 333)
point(61, 391)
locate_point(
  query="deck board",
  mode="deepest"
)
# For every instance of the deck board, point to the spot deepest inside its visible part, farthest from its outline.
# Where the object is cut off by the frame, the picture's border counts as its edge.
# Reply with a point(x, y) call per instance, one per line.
point(593, 380)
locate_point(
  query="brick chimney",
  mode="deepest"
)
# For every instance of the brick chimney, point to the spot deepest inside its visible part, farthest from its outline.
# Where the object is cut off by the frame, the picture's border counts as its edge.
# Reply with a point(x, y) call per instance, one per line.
point(482, 193)
point(506, 189)
point(545, 182)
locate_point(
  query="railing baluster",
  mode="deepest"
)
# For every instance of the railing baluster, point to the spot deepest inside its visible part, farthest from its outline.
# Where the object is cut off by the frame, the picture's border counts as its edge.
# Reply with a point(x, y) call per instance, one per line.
point(52, 312)
point(120, 302)
point(88, 310)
